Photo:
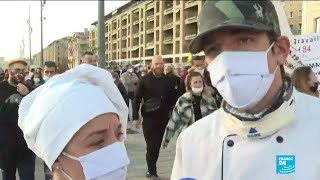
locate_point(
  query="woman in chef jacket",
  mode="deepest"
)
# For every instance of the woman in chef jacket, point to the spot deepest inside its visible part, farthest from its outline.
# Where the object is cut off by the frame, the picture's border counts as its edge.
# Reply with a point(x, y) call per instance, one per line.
point(305, 81)
point(76, 123)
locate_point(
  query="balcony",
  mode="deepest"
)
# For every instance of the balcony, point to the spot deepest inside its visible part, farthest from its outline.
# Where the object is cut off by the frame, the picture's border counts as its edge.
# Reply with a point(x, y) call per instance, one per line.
point(190, 3)
point(191, 20)
point(124, 38)
point(124, 27)
point(149, 31)
point(134, 48)
point(168, 11)
point(114, 33)
point(168, 40)
point(190, 37)
point(124, 49)
point(123, 17)
point(168, 26)
point(150, 18)
point(135, 22)
point(136, 11)
point(136, 35)
point(150, 6)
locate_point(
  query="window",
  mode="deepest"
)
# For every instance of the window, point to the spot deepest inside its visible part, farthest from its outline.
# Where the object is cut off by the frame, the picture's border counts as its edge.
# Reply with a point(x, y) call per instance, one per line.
point(300, 13)
point(291, 27)
point(300, 26)
point(291, 14)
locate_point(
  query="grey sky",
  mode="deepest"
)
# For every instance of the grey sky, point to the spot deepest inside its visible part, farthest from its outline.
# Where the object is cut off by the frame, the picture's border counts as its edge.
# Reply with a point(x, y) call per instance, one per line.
point(62, 19)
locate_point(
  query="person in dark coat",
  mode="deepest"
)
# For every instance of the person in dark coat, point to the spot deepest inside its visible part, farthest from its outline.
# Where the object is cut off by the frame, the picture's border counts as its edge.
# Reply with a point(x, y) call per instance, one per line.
point(14, 152)
point(121, 87)
point(156, 90)
point(169, 71)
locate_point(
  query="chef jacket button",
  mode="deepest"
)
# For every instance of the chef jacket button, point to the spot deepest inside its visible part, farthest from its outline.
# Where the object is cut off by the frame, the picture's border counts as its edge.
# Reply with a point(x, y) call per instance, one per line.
point(230, 143)
point(279, 139)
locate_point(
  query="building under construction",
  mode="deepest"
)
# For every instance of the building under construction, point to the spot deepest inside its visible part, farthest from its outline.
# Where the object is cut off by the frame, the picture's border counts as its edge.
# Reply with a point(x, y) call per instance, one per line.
point(141, 29)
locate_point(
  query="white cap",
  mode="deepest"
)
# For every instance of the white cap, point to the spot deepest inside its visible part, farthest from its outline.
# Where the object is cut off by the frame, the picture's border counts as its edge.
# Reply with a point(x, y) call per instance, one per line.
point(50, 115)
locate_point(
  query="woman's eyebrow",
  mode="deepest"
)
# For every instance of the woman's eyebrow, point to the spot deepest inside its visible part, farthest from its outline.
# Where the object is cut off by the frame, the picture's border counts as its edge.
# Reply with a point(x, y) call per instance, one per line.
point(100, 131)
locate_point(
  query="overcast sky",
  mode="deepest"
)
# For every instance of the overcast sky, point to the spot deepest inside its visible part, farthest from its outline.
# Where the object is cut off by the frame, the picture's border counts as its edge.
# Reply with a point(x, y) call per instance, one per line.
point(62, 19)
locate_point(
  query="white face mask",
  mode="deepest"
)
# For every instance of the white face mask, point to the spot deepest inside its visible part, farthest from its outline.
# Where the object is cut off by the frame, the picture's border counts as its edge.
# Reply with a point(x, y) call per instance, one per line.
point(36, 80)
point(242, 78)
point(197, 90)
point(108, 163)
point(46, 78)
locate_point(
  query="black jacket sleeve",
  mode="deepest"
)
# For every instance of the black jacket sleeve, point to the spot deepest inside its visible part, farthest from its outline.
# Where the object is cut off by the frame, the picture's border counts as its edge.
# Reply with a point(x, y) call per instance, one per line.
point(124, 93)
point(182, 87)
point(137, 99)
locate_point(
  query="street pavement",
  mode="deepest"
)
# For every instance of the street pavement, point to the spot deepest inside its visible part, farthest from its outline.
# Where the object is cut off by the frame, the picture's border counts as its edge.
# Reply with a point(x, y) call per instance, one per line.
point(136, 150)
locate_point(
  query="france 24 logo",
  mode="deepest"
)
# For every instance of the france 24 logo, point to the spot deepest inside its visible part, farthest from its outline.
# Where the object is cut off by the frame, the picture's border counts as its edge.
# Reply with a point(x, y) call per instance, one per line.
point(286, 164)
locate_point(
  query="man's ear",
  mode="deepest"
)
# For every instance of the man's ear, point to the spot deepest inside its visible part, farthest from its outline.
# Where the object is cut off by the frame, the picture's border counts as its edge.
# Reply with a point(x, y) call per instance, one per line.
point(282, 49)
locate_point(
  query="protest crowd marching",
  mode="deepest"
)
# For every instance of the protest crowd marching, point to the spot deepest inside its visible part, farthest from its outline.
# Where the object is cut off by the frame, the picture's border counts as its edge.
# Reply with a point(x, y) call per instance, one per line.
point(241, 112)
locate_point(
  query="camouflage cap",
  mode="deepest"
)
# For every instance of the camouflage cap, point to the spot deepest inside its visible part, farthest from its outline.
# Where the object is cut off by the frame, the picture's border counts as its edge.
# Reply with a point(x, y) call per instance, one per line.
point(218, 14)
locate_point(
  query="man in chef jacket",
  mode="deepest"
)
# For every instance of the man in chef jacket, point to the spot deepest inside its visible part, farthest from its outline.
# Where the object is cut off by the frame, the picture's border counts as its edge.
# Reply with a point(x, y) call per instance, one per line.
point(264, 129)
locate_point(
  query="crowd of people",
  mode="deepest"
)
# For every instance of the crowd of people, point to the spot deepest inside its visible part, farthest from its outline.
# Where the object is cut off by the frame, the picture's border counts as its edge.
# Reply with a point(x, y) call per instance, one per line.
point(236, 112)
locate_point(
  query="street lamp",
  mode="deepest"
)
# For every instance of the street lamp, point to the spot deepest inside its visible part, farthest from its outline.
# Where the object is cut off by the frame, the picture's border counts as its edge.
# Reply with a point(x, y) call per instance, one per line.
point(101, 35)
point(42, 3)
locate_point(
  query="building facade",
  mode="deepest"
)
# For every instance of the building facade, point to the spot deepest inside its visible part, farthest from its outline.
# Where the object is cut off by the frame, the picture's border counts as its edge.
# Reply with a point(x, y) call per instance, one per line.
point(77, 45)
point(141, 29)
point(93, 43)
point(293, 10)
point(311, 17)
point(55, 51)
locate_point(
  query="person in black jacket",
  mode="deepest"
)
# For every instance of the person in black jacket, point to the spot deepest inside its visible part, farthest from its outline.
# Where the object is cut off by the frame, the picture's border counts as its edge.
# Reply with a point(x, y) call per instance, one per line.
point(158, 94)
point(170, 72)
point(198, 65)
point(14, 153)
point(121, 87)
point(2, 74)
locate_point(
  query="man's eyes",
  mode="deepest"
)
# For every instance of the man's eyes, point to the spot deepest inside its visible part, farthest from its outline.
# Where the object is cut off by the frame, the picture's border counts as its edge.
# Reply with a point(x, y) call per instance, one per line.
point(245, 40)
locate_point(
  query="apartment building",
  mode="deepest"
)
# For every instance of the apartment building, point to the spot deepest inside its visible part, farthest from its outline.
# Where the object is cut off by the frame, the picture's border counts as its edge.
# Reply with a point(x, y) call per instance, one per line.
point(55, 51)
point(77, 45)
point(293, 10)
point(93, 43)
point(311, 17)
point(141, 29)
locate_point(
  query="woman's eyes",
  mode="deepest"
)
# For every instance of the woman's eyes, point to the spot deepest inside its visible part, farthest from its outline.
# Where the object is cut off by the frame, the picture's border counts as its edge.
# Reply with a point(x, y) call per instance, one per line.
point(97, 143)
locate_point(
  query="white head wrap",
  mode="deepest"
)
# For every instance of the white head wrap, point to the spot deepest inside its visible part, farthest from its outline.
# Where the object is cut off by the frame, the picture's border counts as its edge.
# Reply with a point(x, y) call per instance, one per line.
point(50, 115)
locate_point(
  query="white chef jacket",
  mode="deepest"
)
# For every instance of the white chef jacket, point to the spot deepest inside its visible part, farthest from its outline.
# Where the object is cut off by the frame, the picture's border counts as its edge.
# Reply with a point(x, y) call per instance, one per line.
point(206, 151)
